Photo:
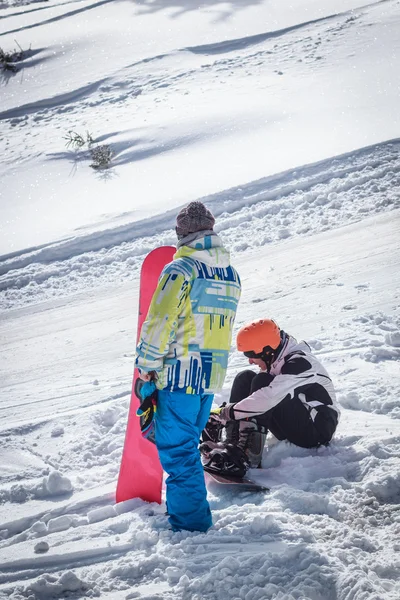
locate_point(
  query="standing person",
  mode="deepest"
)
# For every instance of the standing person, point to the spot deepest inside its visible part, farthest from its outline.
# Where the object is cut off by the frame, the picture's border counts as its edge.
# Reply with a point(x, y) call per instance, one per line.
point(184, 346)
point(292, 396)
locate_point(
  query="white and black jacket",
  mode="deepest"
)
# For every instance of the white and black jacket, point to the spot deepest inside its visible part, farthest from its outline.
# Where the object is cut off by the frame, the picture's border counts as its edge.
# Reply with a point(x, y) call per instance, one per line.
point(298, 375)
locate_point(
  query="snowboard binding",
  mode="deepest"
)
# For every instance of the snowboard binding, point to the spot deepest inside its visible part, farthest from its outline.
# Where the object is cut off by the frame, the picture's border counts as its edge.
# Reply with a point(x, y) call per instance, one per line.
point(211, 439)
point(207, 447)
point(227, 460)
point(212, 432)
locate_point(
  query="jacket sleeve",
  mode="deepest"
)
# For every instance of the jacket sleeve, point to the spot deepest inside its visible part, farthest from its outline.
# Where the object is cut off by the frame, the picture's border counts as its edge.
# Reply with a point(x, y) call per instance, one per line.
point(159, 329)
point(264, 399)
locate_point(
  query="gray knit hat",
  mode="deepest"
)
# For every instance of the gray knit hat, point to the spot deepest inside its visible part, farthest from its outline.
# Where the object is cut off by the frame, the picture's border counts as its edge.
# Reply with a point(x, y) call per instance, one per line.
point(194, 217)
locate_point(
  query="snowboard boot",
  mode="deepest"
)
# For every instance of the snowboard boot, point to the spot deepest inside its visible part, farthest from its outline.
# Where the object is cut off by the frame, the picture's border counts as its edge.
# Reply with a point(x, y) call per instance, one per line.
point(251, 441)
point(255, 448)
point(232, 433)
point(229, 460)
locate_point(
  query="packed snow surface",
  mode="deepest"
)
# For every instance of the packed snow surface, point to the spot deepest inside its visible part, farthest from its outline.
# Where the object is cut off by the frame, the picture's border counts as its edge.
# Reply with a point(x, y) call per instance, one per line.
point(283, 118)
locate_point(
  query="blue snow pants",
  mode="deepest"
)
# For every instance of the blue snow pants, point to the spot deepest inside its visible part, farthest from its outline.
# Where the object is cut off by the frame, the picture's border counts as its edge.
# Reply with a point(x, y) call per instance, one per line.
point(180, 419)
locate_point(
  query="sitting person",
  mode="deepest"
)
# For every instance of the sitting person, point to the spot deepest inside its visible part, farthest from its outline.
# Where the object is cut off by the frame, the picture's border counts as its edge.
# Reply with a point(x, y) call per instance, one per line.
point(292, 396)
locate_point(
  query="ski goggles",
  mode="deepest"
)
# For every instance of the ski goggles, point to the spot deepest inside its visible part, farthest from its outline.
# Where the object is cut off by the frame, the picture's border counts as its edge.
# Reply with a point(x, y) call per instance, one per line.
point(251, 354)
point(267, 352)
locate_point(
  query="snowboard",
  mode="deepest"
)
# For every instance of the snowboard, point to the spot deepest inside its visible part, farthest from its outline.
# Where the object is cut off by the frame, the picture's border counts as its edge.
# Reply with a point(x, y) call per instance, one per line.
point(140, 474)
point(238, 483)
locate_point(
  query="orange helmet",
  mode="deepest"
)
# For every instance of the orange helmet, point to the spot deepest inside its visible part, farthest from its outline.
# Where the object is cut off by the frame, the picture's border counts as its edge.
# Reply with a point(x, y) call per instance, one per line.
point(258, 336)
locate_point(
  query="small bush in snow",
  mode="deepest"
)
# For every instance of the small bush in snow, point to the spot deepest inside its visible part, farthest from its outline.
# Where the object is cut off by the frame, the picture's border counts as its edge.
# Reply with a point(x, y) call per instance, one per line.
point(101, 157)
point(8, 59)
point(77, 141)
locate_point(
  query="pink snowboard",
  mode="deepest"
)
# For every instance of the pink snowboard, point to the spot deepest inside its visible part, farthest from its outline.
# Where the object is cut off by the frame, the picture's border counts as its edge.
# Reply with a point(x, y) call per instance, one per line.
point(140, 474)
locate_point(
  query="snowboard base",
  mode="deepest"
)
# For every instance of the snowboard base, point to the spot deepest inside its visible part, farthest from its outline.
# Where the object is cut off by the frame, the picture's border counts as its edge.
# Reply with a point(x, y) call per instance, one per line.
point(141, 474)
point(240, 483)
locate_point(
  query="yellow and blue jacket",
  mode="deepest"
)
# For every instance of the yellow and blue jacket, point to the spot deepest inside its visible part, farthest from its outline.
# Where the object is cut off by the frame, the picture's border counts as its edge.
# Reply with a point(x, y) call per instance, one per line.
point(186, 337)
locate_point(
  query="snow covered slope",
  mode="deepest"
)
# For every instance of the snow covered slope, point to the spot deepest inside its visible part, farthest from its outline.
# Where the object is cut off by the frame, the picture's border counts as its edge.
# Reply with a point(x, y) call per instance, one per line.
point(284, 119)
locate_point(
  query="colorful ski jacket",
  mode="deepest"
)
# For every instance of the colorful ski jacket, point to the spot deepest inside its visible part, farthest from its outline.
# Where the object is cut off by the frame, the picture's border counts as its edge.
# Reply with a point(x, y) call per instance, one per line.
point(297, 374)
point(186, 337)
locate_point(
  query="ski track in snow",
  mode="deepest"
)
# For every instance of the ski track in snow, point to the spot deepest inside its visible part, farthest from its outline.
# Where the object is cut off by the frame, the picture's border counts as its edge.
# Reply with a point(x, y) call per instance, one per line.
point(244, 56)
point(287, 535)
point(299, 202)
point(327, 508)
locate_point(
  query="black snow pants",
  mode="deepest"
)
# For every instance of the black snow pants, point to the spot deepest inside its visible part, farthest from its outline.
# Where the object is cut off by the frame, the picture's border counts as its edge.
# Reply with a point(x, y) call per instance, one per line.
point(290, 419)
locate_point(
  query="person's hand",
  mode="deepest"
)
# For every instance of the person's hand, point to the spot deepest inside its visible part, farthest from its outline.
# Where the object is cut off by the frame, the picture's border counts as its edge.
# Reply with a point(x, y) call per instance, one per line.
point(148, 375)
point(217, 415)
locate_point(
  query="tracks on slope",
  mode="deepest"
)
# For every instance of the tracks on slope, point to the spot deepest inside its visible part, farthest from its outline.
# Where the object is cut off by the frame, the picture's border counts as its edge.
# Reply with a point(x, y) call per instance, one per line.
point(328, 194)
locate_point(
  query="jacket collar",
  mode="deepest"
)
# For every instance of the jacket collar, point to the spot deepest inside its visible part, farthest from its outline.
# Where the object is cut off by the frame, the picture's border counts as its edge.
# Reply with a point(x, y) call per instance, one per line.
point(197, 235)
point(290, 345)
point(206, 248)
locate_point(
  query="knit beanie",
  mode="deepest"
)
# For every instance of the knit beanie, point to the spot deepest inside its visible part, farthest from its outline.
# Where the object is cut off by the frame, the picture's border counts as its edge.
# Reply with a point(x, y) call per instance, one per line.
point(194, 217)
